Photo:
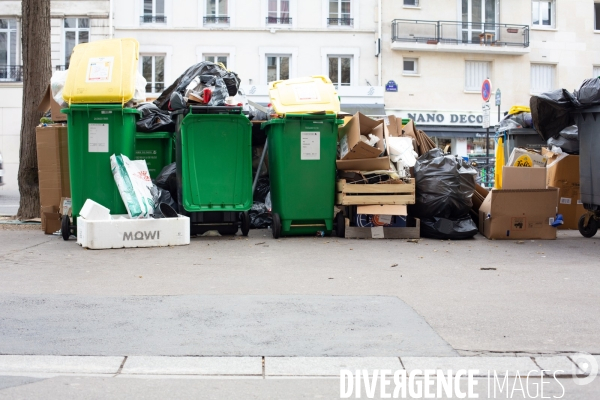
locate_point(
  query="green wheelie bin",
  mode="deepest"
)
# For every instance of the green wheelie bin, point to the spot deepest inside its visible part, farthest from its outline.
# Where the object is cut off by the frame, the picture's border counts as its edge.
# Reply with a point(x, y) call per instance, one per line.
point(157, 149)
point(302, 153)
point(95, 132)
point(214, 168)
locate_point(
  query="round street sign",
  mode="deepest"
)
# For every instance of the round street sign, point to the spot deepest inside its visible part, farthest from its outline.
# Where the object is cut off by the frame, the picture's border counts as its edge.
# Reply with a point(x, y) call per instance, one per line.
point(486, 90)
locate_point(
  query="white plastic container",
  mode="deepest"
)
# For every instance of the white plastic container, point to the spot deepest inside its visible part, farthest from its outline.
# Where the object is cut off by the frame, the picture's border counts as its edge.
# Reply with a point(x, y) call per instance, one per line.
point(121, 232)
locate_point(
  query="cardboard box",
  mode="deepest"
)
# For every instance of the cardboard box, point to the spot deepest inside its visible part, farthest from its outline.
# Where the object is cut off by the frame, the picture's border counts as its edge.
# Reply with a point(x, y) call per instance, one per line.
point(523, 178)
point(51, 220)
point(351, 147)
point(53, 165)
point(121, 232)
point(562, 172)
point(48, 103)
point(519, 214)
point(526, 158)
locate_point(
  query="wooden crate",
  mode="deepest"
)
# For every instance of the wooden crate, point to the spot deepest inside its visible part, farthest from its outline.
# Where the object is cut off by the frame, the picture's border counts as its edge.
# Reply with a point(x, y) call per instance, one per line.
point(354, 232)
point(349, 194)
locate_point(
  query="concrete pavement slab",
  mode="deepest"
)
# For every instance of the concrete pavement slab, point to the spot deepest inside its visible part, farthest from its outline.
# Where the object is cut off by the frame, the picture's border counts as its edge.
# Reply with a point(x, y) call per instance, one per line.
point(50, 364)
point(326, 366)
point(193, 365)
point(561, 365)
point(12, 381)
point(503, 366)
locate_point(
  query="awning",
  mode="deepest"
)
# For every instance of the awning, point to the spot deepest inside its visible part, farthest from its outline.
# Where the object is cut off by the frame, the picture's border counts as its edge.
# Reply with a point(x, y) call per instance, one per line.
point(366, 109)
point(455, 131)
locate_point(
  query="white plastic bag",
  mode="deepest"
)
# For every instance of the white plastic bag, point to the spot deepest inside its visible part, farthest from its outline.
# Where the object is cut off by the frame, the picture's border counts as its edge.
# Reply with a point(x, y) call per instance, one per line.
point(139, 96)
point(57, 83)
point(134, 183)
point(401, 149)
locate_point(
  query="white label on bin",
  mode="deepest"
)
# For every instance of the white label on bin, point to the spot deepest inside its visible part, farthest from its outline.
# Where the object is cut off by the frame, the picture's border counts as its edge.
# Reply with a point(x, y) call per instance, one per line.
point(311, 145)
point(306, 93)
point(565, 200)
point(98, 138)
point(377, 232)
point(100, 69)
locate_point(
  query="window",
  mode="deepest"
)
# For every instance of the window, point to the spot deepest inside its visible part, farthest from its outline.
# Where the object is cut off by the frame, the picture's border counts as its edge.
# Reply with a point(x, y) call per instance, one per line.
point(410, 66)
point(542, 78)
point(154, 11)
point(542, 13)
point(340, 70)
point(216, 12)
point(596, 71)
point(597, 16)
point(279, 12)
point(479, 17)
point(475, 73)
point(411, 3)
point(214, 58)
point(9, 70)
point(278, 67)
point(77, 30)
point(153, 69)
point(339, 13)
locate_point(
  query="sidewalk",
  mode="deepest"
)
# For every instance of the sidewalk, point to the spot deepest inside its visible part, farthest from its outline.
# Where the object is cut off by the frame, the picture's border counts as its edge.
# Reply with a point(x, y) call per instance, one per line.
point(9, 202)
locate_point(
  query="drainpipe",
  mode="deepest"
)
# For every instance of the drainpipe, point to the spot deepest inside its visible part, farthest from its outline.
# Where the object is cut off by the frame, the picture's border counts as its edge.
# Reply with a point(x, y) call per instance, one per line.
point(379, 64)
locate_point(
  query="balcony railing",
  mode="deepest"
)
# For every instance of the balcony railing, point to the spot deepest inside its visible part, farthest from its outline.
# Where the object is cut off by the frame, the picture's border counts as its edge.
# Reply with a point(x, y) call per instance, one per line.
point(279, 21)
point(458, 32)
point(150, 19)
point(340, 21)
point(61, 67)
point(216, 20)
point(11, 73)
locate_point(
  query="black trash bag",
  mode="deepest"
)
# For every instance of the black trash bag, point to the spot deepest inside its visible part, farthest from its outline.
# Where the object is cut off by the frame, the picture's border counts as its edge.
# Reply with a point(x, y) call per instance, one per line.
point(551, 112)
point(263, 187)
point(228, 78)
point(444, 186)
point(566, 145)
point(450, 229)
point(260, 216)
point(516, 121)
point(161, 196)
point(167, 180)
point(154, 120)
point(176, 102)
point(589, 92)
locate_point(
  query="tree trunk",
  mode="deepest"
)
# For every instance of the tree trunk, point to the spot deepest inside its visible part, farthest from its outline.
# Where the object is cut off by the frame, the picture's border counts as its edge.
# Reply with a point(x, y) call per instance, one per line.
point(37, 70)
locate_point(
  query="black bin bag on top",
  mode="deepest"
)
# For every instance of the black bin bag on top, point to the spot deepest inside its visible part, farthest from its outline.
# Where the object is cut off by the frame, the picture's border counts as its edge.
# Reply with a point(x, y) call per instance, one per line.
point(154, 120)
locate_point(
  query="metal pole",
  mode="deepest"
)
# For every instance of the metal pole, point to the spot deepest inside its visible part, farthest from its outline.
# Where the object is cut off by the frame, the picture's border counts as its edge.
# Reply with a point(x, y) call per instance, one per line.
point(487, 156)
point(498, 112)
point(260, 163)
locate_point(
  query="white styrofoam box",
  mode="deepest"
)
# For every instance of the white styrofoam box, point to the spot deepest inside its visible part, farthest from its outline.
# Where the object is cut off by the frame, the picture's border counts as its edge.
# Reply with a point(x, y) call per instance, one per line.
point(93, 211)
point(122, 231)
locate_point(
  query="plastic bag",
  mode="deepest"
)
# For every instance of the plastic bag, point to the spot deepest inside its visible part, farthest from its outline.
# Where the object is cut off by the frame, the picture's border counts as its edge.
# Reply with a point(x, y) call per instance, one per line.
point(444, 186)
point(154, 119)
point(589, 92)
point(57, 84)
point(450, 229)
point(134, 184)
point(161, 196)
point(401, 149)
point(228, 79)
point(139, 96)
point(566, 145)
point(167, 180)
point(263, 186)
point(260, 216)
point(551, 112)
point(516, 121)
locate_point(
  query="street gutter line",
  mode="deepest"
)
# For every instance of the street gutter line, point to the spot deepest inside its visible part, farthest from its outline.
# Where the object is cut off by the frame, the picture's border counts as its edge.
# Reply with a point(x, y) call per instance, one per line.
point(121, 367)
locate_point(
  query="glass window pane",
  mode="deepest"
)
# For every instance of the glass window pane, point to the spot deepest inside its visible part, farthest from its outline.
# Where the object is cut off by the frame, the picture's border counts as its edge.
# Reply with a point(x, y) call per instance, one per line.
point(69, 45)
point(70, 22)
point(333, 9)
point(209, 59)
point(547, 13)
point(159, 69)
point(83, 23)
point(271, 74)
point(223, 60)
point(476, 10)
point(272, 8)
point(490, 11)
point(160, 7)
point(333, 69)
point(147, 68)
point(210, 7)
point(223, 7)
point(346, 66)
point(3, 48)
point(409, 66)
point(535, 12)
point(284, 68)
point(12, 59)
point(3, 24)
point(84, 37)
point(147, 7)
point(597, 16)
point(285, 9)
point(345, 7)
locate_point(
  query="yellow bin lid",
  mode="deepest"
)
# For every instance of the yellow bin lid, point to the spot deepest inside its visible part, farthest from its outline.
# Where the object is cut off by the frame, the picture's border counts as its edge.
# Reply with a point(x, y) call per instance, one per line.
point(304, 95)
point(102, 72)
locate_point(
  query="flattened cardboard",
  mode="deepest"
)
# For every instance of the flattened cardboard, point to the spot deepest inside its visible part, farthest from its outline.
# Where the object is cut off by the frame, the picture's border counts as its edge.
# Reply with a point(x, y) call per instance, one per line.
point(369, 164)
point(48, 103)
point(519, 214)
point(351, 147)
point(523, 178)
point(562, 172)
point(393, 126)
point(379, 209)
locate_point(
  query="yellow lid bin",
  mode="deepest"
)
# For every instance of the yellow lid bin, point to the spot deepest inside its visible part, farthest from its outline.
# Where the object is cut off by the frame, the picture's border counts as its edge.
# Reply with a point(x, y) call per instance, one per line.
point(102, 72)
point(304, 95)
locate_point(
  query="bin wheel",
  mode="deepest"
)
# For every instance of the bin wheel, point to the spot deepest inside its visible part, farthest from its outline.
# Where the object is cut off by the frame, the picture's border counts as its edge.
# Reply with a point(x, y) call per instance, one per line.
point(591, 228)
point(245, 223)
point(340, 225)
point(65, 227)
point(276, 226)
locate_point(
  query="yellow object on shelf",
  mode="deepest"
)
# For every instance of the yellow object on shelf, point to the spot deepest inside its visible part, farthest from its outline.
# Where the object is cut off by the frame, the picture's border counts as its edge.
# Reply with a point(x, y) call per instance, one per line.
point(102, 72)
point(519, 109)
point(304, 95)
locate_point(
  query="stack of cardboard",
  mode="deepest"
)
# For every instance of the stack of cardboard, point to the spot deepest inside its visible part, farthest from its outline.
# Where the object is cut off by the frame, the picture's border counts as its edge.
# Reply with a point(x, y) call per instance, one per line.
point(524, 208)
